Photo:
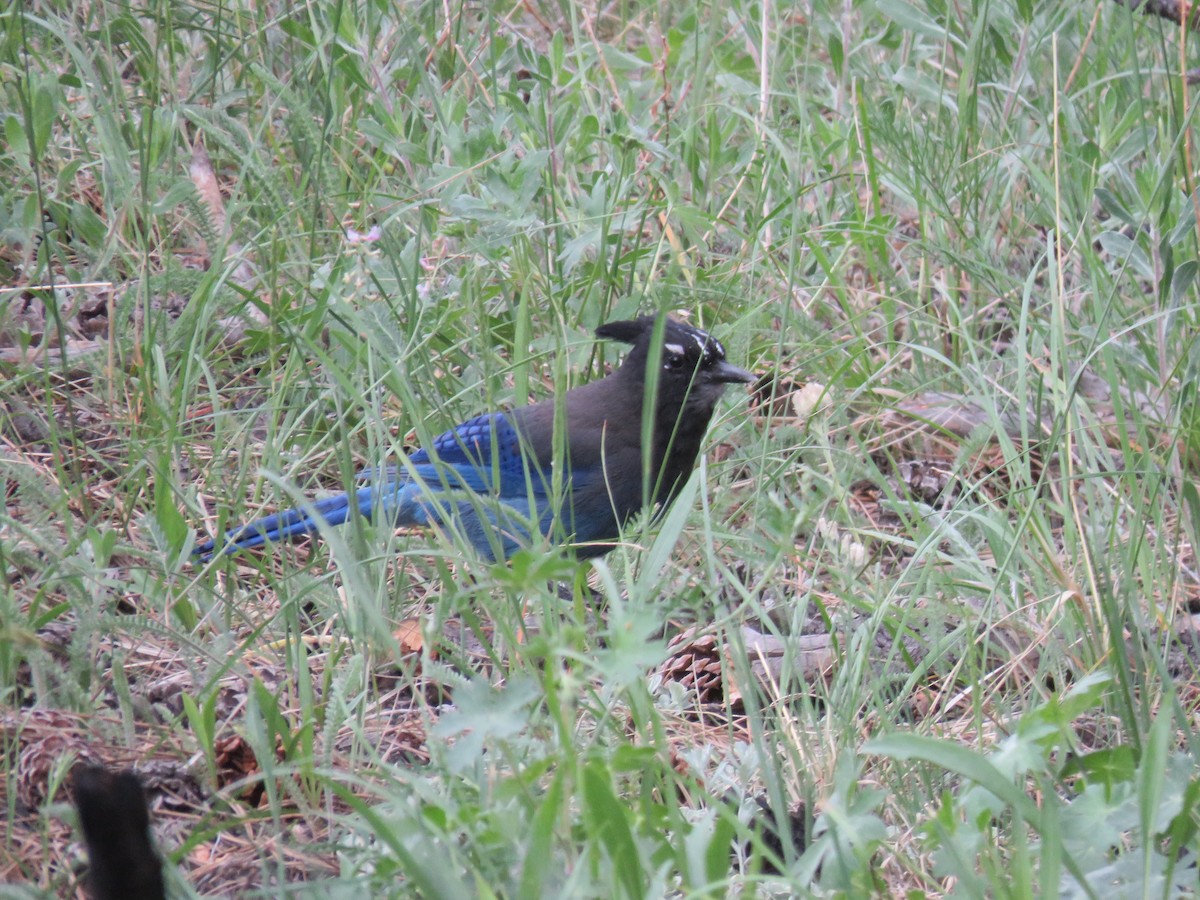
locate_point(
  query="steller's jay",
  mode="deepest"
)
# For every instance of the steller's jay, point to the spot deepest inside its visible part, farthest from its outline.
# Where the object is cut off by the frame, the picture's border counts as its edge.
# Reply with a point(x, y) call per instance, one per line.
point(493, 478)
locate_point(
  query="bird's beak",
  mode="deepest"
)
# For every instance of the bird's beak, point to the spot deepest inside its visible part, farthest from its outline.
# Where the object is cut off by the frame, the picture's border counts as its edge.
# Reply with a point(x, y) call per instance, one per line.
point(726, 373)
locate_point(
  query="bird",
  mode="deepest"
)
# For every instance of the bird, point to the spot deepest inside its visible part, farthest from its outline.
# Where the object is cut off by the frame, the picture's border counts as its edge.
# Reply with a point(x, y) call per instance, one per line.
point(573, 468)
point(122, 861)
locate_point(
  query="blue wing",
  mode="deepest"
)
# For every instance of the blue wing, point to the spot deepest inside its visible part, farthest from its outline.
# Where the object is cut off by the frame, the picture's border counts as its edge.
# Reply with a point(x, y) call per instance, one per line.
point(482, 455)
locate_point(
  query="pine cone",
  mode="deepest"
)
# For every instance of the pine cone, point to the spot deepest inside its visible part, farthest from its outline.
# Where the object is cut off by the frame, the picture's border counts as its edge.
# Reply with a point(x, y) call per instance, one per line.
point(696, 664)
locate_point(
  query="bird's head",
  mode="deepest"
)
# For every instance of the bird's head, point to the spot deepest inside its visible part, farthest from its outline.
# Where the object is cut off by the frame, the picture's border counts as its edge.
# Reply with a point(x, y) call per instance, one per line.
point(693, 371)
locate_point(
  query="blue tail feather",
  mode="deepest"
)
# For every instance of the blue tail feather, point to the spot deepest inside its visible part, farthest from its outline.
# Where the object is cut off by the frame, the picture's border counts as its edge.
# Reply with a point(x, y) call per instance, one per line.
point(491, 500)
point(395, 498)
point(398, 502)
point(286, 525)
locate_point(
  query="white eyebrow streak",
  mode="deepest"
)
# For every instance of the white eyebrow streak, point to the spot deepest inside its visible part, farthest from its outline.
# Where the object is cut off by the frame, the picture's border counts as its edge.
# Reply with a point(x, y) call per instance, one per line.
point(674, 348)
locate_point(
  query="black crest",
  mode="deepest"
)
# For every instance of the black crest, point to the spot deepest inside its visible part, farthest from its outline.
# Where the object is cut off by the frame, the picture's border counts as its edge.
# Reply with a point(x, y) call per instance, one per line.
point(684, 348)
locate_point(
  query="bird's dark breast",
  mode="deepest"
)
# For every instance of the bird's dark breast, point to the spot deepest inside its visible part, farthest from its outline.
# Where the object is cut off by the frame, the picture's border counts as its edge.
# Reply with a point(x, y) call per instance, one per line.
point(602, 474)
point(603, 481)
point(678, 437)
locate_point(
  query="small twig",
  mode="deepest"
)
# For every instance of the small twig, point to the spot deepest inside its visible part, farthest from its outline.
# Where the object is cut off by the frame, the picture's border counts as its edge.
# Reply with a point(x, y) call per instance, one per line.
point(48, 355)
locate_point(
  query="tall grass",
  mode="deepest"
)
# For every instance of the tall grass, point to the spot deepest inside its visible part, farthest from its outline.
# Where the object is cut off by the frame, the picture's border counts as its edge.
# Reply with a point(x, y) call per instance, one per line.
point(908, 207)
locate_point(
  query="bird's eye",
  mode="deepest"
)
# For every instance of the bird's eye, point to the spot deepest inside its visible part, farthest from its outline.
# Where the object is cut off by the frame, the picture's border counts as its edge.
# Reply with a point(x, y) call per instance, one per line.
point(673, 362)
